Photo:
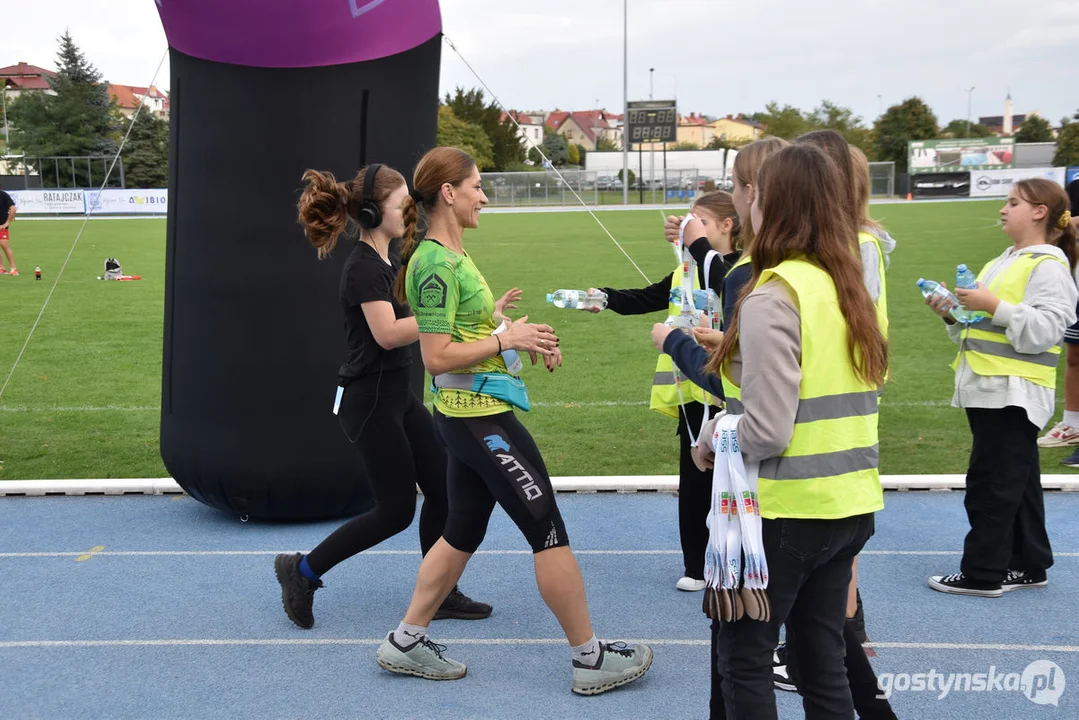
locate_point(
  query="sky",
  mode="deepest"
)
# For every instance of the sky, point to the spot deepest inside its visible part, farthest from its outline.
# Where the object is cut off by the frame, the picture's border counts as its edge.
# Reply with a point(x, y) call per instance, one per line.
point(716, 57)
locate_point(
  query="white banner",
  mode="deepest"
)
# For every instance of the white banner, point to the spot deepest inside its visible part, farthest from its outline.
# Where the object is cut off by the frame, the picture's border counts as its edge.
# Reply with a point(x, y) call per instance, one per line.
point(993, 183)
point(48, 201)
point(123, 202)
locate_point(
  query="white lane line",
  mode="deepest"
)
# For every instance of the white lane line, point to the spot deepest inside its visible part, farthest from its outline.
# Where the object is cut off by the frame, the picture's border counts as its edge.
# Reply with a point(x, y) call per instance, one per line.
point(687, 642)
point(417, 553)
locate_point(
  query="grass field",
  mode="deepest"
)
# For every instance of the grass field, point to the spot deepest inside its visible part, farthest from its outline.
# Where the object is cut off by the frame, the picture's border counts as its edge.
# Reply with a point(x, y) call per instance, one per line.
point(84, 399)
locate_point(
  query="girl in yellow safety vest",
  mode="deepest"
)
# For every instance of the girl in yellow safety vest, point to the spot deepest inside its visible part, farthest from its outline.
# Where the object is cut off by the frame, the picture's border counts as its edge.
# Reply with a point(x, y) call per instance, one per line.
point(802, 362)
point(713, 232)
point(1005, 379)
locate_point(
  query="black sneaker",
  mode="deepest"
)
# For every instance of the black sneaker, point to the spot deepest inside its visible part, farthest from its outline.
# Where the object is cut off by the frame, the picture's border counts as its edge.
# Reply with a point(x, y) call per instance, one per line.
point(1018, 579)
point(857, 622)
point(780, 678)
point(458, 606)
point(959, 584)
point(297, 592)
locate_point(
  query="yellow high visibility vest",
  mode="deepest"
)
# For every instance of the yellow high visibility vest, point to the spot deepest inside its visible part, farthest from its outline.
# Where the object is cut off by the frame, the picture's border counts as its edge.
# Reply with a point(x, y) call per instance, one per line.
point(986, 347)
point(830, 470)
point(881, 302)
point(664, 398)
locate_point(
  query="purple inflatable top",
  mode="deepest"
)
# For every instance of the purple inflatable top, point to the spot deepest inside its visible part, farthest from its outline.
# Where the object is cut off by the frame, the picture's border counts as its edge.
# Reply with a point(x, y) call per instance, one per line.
point(297, 33)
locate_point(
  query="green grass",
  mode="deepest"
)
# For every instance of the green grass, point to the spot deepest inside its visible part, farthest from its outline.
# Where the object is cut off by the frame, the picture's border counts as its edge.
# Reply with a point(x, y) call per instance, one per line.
point(83, 400)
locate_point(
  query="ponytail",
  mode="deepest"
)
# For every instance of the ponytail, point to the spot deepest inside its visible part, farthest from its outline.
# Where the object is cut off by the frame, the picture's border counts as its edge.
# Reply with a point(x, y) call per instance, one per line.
point(323, 210)
point(408, 246)
point(1059, 230)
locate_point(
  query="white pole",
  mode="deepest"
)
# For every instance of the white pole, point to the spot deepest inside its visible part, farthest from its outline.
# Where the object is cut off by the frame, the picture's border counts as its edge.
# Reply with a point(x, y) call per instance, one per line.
point(651, 146)
point(7, 142)
point(970, 94)
point(625, 102)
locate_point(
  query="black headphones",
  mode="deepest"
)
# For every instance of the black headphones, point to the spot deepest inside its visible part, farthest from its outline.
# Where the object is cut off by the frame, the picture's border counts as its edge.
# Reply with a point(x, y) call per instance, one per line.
point(369, 214)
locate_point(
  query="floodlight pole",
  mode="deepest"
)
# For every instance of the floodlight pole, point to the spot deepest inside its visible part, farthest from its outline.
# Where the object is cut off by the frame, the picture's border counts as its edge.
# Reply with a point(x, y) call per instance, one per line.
point(625, 102)
point(651, 145)
point(970, 94)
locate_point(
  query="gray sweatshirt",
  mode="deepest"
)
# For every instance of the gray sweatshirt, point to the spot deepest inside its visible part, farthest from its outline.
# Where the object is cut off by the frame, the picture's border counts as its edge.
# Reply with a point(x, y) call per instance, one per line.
point(767, 366)
point(871, 259)
point(1033, 326)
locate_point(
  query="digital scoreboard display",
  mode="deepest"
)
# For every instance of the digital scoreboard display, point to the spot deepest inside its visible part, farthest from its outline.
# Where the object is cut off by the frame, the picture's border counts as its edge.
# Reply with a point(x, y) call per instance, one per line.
point(650, 121)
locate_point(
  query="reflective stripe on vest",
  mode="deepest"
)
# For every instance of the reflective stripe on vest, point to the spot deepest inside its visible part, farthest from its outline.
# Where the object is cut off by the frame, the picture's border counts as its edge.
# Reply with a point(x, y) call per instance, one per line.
point(986, 347)
point(830, 468)
point(664, 398)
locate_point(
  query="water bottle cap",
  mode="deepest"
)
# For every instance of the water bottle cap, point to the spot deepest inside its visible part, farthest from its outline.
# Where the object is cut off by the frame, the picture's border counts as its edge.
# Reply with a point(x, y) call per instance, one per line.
point(961, 268)
point(550, 297)
point(921, 281)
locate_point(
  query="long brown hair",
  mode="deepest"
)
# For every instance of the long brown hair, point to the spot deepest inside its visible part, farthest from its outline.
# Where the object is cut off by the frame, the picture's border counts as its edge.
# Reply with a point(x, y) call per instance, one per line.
point(798, 188)
point(1039, 191)
point(836, 148)
point(436, 168)
point(721, 205)
point(747, 163)
point(326, 206)
point(862, 182)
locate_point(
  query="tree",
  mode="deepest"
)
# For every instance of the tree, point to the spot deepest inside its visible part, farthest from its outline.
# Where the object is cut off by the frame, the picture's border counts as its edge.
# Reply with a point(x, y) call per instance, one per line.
point(605, 143)
point(910, 120)
point(77, 121)
point(958, 129)
point(555, 148)
point(830, 116)
point(146, 154)
point(506, 144)
point(582, 153)
point(685, 145)
point(1068, 142)
point(573, 154)
point(632, 177)
point(464, 135)
point(534, 156)
point(785, 122)
point(1034, 129)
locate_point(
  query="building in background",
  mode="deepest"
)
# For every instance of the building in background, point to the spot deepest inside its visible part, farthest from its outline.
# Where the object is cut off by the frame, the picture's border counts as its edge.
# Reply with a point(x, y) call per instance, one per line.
point(128, 97)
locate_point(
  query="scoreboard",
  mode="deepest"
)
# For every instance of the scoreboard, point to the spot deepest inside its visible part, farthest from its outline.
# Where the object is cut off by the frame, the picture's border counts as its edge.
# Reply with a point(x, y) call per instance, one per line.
point(650, 121)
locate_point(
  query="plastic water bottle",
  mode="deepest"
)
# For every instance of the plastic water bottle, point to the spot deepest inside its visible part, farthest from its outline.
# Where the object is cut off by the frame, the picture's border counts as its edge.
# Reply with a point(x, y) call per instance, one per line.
point(578, 299)
point(931, 288)
point(37, 272)
point(964, 278)
point(700, 298)
point(510, 357)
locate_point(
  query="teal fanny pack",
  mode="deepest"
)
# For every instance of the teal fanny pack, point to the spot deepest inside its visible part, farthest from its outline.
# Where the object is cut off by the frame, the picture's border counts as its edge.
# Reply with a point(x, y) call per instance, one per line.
point(498, 385)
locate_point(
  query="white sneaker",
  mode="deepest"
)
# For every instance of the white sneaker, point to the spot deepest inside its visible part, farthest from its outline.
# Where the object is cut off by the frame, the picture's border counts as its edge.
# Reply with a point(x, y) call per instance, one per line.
point(688, 584)
point(1060, 436)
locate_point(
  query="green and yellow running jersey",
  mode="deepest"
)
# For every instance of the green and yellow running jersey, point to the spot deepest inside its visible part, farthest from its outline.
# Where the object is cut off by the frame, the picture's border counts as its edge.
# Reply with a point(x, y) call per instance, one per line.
point(449, 296)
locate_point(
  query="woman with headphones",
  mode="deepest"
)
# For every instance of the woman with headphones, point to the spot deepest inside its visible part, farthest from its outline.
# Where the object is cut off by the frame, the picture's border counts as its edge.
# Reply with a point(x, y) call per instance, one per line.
point(377, 409)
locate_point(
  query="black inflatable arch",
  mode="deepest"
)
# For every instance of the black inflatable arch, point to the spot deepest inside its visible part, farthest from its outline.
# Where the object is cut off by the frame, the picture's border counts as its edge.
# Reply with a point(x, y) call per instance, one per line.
point(253, 329)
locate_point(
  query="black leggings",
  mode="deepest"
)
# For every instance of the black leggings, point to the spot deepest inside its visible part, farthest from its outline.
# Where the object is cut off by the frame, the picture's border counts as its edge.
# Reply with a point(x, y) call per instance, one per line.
point(494, 459)
point(397, 442)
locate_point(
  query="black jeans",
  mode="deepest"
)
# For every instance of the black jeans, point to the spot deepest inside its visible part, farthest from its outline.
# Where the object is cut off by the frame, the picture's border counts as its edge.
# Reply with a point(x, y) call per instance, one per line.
point(1004, 497)
point(809, 567)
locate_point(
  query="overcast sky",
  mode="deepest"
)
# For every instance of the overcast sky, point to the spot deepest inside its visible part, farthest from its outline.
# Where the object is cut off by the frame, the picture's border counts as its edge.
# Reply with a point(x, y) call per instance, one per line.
point(717, 56)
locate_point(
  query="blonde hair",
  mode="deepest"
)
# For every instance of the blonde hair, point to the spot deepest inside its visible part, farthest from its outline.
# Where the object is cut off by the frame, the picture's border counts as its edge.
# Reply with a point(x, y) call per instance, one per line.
point(747, 163)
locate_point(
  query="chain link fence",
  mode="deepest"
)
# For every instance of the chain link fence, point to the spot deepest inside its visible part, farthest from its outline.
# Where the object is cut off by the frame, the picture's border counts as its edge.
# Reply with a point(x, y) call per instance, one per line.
point(545, 188)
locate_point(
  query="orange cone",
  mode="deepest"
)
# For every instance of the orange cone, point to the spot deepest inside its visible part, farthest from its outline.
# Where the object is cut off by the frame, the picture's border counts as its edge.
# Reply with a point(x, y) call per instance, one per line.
point(909, 196)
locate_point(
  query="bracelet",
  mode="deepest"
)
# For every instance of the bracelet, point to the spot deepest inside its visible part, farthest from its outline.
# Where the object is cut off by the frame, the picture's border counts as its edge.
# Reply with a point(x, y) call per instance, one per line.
point(499, 341)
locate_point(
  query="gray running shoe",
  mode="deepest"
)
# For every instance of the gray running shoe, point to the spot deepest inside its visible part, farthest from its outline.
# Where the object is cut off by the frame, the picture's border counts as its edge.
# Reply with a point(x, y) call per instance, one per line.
point(422, 658)
point(618, 664)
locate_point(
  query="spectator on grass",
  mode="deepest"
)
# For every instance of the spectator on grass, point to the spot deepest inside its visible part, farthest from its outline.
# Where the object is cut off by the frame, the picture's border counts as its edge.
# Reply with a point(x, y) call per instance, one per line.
point(1005, 378)
point(493, 458)
point(379, 413)
point(806, 284)
point(711, 235)
point(7, 215)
